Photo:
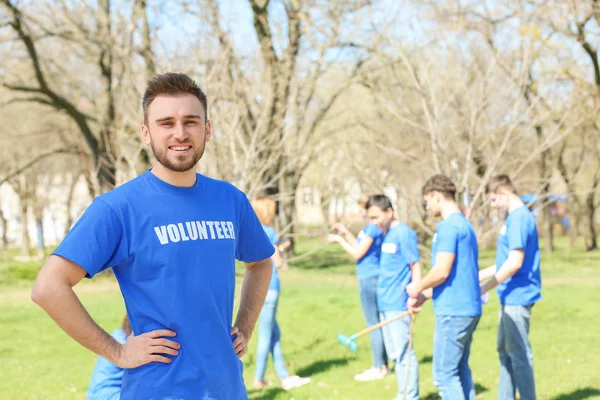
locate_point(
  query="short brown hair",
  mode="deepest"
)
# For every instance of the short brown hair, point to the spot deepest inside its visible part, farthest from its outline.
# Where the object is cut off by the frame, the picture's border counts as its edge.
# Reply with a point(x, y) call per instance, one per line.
point(441, 184)
point(500, 182)
point(265, 208)
point(172, 84)
point(363, 200)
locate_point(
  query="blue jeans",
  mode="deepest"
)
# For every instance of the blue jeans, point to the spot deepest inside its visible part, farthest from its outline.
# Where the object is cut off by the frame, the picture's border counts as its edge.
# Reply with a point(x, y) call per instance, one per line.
point(396, 335)
point(451, 349)
point(269, 339)
point(516, 357)
point(368, 301)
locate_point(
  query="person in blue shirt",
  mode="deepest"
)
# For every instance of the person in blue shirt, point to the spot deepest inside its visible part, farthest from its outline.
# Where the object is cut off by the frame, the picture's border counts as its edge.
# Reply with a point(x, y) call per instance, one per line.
point(171, 237)
point(107, 378)
point(517, 278)
point(399, 265)
point(365, 249)
point(456, 292)
point(269, 334)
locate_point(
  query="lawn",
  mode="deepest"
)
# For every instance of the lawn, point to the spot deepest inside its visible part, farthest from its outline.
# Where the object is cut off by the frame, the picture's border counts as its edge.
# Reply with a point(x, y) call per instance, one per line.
point(319, 300)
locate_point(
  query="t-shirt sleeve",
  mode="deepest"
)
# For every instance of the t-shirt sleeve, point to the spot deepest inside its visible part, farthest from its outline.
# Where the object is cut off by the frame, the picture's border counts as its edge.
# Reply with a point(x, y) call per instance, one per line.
point(96, 241)
point(253, 244)
point(516, 232)
point(410, 246)
point(372, 231)
point(447, 239)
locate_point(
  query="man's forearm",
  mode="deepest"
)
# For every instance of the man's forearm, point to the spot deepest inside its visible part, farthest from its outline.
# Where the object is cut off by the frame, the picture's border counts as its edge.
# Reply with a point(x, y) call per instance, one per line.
point(63, 306)
point(351, 239)
point(487, 273)
point(434, 278)
point(508, 269)
point(353, 252)
point(254, 290)
point(416, 272)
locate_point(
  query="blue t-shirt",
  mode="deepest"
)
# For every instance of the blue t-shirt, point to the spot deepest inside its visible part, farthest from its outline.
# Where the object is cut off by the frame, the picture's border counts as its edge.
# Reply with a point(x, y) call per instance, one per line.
point(520, 232)
point(368, 265)
point(272, 235)
point(460, 294)
point(106, 380)
point(398, 251)
point(173, 252)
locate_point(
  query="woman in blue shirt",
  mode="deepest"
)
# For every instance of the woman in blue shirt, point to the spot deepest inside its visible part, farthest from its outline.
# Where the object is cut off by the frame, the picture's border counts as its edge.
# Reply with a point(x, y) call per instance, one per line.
point(269, 335)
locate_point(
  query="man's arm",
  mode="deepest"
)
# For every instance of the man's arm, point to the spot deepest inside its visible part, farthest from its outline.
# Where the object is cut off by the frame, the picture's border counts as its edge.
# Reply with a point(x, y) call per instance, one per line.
point(356, 252)
point(346, 234)
point(416, 272)
point(254, 290)
point(53, 291)
point(487, 273)
point(510, 267)
point(436, 276)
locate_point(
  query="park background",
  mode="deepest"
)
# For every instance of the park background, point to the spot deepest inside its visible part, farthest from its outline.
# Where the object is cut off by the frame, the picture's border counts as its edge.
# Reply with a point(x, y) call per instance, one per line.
point(314, 103)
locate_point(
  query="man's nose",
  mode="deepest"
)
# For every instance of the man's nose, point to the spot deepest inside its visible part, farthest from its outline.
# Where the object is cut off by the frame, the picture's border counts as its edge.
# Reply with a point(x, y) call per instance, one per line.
point(180, 131)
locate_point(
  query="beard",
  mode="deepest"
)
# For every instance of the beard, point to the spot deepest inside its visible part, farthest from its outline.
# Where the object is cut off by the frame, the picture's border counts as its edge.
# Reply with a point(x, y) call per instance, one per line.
point(176, 163)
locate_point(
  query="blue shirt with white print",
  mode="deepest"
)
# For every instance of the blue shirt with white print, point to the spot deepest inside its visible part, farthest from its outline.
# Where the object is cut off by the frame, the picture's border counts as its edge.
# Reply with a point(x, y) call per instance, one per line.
point(398, 251)
point(173, 252)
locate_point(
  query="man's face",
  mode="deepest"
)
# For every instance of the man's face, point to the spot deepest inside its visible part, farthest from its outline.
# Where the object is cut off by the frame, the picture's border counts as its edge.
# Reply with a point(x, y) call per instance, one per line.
point(498, 200)
point(380, 217)
point(432, 203)
point(176, 131)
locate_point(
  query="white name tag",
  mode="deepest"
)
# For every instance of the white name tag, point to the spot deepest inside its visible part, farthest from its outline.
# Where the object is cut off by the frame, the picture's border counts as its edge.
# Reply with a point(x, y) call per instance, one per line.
point(503, 230)
point(434, 238)
point(361, 235)
point(388, 248)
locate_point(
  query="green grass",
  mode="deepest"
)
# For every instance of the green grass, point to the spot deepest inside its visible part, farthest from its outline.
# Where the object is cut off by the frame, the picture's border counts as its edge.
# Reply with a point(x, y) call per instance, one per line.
point(319, 300)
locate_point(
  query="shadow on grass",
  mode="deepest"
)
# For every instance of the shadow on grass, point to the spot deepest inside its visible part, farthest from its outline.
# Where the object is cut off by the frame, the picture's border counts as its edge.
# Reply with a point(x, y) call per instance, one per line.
point(267, 394)
point(321, 366)
point(426, 360)
point(579, 394)
point(479, 389)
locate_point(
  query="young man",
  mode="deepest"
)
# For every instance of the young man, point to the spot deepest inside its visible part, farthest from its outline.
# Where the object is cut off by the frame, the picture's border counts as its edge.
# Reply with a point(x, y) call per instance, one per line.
point(456, 293)
point(366, 250)
point(399, 266)
point(171, 237)
point(516, 276)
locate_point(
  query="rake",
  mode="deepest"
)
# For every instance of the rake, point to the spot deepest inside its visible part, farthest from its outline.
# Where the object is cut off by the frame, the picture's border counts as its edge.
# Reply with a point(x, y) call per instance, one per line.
point(349, 341)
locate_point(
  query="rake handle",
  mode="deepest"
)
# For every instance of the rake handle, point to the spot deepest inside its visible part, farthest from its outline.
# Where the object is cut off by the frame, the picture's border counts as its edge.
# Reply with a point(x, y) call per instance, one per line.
point(382, 323)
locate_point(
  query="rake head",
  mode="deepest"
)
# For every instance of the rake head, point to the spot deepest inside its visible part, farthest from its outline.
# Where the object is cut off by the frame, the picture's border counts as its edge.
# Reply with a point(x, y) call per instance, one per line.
point(348, 341)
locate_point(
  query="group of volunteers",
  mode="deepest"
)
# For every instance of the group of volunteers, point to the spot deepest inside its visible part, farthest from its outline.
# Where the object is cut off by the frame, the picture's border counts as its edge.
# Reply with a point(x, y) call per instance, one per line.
point(391, 282)
point(172, 237)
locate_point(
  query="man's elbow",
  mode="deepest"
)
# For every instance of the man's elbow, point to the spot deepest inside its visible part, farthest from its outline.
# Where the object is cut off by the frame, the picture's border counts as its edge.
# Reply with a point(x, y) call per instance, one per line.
point(444, 274)
point(40, 292)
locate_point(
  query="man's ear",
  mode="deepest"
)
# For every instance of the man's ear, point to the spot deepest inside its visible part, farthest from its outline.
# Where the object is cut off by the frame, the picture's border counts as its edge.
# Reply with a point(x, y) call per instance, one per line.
point(146, 135)
point(208, 132)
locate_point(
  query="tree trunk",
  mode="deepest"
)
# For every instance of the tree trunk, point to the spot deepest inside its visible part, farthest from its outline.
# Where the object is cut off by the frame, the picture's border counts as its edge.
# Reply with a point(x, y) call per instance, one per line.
point(39, 224)
point(69, 203)
point(590, 229)
point(287, 205)
point(545, 175)
point(25, 243)
point(4, 224)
